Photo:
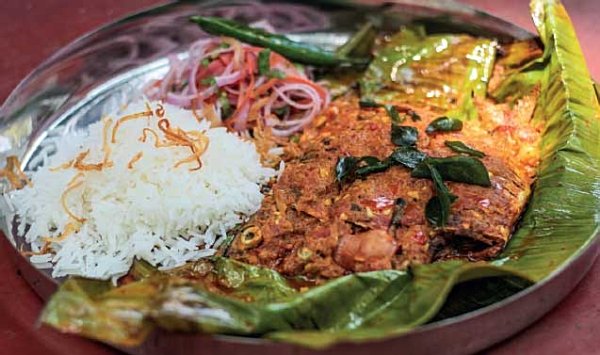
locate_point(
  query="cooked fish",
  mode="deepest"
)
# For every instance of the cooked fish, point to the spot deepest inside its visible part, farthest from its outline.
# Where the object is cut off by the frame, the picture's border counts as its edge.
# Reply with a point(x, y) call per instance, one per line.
point(311, 225)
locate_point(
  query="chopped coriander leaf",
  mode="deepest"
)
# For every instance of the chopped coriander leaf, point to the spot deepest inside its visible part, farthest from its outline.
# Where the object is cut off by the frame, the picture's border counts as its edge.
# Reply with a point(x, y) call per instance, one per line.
point(226, 109)
point(205, 62)
point(208, 81)
point(276, 74)
point(264, 62)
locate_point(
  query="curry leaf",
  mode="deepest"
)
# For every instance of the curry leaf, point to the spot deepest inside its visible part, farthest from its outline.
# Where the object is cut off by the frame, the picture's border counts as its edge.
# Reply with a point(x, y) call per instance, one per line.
point(444, 124)
point(349, 168)
point(461, 147)
point(345, 169)
point(404, 136)
point(409, 157)
point(456, 168)
point(437, 209)
point(369, 165)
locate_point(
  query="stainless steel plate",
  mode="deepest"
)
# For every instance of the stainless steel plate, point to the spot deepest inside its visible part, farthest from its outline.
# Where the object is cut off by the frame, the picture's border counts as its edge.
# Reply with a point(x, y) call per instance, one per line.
point(107, 68)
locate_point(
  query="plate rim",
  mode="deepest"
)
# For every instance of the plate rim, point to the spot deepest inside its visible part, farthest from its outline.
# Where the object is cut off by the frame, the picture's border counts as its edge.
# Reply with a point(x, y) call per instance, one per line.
point(591, 243)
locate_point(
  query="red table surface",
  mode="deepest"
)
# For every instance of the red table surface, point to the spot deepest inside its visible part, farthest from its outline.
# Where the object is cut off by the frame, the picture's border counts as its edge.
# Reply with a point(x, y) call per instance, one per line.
point(32, 30)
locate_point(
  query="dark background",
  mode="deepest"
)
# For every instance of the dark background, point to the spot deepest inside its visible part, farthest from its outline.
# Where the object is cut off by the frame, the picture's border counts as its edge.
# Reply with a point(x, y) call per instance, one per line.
point(32, 30)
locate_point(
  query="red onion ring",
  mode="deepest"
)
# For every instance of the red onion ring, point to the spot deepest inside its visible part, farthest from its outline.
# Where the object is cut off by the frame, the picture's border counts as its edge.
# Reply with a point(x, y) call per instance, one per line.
point(233, 77)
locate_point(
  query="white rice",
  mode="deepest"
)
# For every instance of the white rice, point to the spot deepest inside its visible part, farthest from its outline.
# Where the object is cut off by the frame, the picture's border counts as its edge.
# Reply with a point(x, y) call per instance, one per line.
point(155, 212)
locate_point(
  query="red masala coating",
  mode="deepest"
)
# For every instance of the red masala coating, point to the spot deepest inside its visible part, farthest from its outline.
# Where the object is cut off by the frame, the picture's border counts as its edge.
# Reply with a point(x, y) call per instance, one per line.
point(311, 226)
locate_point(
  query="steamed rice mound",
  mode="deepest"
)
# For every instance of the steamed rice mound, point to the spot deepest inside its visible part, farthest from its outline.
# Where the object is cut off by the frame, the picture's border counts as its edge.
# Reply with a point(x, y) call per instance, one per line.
point(156, 209)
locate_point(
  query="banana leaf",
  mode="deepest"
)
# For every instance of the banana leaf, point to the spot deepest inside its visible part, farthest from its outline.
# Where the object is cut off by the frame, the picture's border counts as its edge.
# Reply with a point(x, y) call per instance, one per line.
point(522, 72)
point(234, 298)
point(225, 296)
point(563, 215)
point(442, 72)
point(339, 81)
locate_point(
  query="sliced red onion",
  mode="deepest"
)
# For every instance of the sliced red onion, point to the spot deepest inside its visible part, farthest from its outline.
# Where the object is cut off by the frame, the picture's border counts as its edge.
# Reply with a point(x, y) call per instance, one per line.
point(170, 76)
point(228, 79)
point(269, 105)
point(261, 80)
point(178, 100)
point(186, 100)
point(263, 25)
point(192, 87)
point(298, 121)
point(199, 47)
point(312, 94)
point(228, 68)
point(231, 90)
point(305, 99)
point(241, 119)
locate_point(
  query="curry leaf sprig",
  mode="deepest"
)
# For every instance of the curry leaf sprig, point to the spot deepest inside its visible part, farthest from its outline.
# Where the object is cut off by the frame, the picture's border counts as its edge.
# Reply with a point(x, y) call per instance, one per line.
point(459, 168)
point(464, 169)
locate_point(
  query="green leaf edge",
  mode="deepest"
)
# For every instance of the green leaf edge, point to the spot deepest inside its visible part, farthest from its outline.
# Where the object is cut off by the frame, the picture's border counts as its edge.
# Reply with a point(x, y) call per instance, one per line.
point(322, 339)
